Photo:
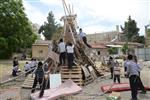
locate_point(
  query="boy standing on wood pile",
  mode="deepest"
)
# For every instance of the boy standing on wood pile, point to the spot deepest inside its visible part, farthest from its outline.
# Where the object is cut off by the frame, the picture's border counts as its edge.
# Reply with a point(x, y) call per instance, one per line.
point(70, 54)
point(62, 52)
point(82, 35)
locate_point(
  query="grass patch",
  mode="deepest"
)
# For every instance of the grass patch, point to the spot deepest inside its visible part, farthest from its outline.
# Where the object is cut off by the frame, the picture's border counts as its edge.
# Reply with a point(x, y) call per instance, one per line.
point(6, 68)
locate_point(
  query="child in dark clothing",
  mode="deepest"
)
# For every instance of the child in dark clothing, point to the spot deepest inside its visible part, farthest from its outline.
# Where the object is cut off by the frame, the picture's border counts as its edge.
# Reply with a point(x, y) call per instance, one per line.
point(15, 66)
point(39, 76)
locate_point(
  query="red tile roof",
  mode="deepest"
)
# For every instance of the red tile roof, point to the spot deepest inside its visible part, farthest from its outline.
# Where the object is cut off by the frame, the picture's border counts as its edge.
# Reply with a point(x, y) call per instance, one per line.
point(98, 46)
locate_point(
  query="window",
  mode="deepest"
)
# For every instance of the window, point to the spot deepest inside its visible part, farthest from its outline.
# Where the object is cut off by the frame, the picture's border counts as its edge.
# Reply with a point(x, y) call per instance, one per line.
point(40, 51)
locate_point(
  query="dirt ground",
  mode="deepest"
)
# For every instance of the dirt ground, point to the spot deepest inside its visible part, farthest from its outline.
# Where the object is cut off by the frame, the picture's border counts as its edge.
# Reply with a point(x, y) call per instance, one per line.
point(13, 91)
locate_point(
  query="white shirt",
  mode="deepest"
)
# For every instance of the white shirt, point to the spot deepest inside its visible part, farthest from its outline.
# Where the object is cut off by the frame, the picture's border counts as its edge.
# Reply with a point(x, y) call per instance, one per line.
point(62, 47)
point(70, 49)
point(27, 67)
point(116, 70)
point(82, 34)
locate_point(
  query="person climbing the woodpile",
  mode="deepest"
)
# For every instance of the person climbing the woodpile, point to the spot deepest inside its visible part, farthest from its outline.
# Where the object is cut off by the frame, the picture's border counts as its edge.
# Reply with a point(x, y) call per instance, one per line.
point(39, 76)
point(15, 66)
point(55, 46)
point(62, 52)
point(111, 65)
point(82, 35)
point(117, 72)
point(70, 54)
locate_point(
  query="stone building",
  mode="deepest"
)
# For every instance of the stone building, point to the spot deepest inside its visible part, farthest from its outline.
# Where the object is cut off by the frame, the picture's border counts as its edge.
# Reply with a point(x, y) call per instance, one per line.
point(41, 49)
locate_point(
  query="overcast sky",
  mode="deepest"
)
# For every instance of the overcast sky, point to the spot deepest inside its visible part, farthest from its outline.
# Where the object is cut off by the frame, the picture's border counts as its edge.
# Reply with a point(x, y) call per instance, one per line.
point(92, 15)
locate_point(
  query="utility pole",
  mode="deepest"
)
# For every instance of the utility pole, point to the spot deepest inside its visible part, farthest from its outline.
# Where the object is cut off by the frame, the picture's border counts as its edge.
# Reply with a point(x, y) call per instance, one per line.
point(147, 40)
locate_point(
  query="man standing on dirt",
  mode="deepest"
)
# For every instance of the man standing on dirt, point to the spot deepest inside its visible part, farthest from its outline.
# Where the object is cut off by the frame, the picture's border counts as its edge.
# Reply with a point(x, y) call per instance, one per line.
point(111, 65)
point(133, 72)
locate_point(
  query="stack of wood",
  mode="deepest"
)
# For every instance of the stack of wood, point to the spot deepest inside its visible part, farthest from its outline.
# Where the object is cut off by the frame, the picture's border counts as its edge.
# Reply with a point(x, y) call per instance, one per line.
point(75, 74)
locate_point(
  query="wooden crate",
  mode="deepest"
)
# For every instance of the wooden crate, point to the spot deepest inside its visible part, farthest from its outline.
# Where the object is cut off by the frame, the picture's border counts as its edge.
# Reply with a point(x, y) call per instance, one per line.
point(88, 80)
point(75, 74)
point(28, 82)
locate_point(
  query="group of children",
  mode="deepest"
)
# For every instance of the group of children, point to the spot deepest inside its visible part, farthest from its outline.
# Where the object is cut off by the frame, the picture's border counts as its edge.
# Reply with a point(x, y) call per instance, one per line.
point(131, 70)
point(66, 51)
point(30, 66)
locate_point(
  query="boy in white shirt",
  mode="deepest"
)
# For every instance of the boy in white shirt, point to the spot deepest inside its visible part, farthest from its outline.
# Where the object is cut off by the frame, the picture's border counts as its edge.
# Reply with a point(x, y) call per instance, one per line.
point(83, 37)
point(62, 51)
point(27, 68)
point(70, 55)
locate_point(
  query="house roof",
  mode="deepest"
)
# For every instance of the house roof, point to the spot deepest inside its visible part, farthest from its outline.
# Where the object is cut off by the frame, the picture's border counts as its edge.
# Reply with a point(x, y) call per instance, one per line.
point(42, 42)
point(98, 46)
point(116, 46)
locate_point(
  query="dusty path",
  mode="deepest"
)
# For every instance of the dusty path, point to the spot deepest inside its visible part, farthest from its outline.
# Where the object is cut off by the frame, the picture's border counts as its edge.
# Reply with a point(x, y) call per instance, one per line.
point(90, 92)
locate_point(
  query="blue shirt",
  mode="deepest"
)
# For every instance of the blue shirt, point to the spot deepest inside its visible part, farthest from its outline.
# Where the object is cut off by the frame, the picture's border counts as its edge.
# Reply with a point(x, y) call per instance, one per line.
point(132, 68)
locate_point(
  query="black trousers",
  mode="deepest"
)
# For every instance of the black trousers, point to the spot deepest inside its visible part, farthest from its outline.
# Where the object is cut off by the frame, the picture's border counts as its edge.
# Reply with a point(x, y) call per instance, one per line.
point(117, 77)
point(85, 41)
point(140, 85)
point(62, 58)
point(111, 71)
point(36, 80)
point(14, 73)
point(45, 85)
point(70, 59)
point(133, 79)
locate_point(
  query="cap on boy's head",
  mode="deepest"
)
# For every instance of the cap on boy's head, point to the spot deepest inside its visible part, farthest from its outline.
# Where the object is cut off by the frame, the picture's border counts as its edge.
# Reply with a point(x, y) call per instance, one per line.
point(61, 40)
point(40, 63)
point(110, 58)
point(130, 57)
point(80, 29)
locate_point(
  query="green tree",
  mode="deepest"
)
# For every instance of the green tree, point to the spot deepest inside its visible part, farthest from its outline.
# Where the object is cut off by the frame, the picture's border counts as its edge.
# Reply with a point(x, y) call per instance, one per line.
point(15, 27)
point(50, 27)
point(125, 48)
point(130, 29)
point(112, 50)
point(58, 34)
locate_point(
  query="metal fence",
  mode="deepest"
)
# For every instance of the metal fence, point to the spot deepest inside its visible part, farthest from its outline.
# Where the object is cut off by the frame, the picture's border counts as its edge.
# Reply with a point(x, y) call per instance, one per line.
point(143, 53)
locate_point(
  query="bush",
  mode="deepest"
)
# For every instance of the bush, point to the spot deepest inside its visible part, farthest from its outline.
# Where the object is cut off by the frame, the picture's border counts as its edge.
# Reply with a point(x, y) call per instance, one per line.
point(5, 54)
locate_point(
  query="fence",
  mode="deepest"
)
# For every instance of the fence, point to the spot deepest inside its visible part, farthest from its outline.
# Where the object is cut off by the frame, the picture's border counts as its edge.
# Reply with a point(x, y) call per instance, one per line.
point(143, 53)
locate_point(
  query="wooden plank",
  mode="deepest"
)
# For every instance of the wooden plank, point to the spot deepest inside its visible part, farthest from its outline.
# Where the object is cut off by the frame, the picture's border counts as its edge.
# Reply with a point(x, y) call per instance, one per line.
point(72, 76)
point(92, 72)
point(28, 81)
point(54, 56)
point(85, 70)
